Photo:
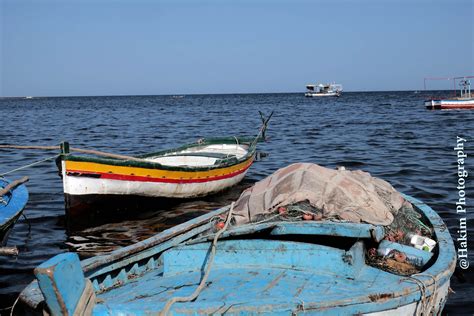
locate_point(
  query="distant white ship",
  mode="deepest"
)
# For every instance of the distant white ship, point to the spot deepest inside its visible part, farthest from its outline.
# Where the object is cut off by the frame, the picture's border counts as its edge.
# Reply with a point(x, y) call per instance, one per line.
point(323, 90)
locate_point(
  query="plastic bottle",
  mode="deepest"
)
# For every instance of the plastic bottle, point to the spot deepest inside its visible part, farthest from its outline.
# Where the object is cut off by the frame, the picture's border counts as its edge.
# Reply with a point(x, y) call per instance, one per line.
point(420, 242)
point(389, 252)
point(414, 260)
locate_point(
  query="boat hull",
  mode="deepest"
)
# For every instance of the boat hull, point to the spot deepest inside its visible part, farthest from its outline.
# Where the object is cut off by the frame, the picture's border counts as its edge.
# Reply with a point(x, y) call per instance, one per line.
point(450, 104)
point(11, 209)
point(115, 200)
point(100, 191)
point(6, 229)
point(163, 183)
point(438, 301)
point(316, 95)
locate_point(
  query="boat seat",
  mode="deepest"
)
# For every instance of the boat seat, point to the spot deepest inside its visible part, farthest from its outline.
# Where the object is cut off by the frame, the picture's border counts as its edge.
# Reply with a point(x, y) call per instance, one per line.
point(316, 228)
point(328, 228)
point(258, 253)
point(203, 154)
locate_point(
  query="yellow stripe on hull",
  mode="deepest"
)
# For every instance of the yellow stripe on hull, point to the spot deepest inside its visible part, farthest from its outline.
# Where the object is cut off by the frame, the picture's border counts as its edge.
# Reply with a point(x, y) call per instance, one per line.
point(94, 167)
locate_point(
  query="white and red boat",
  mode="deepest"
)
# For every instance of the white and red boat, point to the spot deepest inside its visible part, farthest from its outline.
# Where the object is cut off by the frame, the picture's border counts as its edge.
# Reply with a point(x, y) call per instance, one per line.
point(323, 90)
point(463, 101)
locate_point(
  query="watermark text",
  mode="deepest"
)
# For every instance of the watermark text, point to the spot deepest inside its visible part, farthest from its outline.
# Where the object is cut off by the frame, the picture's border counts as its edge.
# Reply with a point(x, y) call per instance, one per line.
point(461, 203)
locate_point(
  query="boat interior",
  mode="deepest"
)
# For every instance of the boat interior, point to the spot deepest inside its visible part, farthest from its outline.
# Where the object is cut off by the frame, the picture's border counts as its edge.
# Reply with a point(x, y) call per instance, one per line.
point(199, 156)
point(267, 266)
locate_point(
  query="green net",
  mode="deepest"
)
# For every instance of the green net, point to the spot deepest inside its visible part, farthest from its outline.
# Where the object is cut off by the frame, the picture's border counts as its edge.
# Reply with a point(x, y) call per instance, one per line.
point(407, 221)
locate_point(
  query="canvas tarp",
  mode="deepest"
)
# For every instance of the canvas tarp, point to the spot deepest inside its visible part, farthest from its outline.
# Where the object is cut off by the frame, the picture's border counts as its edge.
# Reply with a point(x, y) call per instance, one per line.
point(353, 196)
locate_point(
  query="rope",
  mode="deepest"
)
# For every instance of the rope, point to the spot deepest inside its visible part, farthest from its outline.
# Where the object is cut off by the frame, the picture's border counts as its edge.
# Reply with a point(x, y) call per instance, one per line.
point(431, 301)
point(422, 288)
point(30, 165)
point(210, 261)
point(14, 304)
point(426, 304)
point(28, 222)
point(73, 149)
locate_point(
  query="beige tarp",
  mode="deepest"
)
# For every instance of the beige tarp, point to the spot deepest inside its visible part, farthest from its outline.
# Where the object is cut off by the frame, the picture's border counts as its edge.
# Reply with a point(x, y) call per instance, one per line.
point(354, 196)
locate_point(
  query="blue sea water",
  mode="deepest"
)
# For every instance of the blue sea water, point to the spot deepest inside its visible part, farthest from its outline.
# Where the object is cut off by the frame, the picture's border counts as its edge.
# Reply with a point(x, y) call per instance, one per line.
point(389, 134)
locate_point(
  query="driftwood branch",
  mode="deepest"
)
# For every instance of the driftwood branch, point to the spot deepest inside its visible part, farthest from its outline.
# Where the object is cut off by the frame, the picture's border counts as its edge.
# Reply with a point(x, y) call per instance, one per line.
point(13, 185)
point(9, 251)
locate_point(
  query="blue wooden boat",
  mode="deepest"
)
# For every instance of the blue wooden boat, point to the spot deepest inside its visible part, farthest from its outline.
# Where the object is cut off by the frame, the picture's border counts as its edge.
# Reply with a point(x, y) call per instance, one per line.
point(276, 267)
point(13, 198)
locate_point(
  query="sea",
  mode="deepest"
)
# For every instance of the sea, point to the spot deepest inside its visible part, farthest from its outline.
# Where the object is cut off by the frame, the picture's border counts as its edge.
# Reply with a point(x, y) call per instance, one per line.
point(388, 134)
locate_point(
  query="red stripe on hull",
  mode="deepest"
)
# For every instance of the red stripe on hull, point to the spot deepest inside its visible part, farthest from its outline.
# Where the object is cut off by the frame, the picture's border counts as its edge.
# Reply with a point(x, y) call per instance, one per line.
point(121, 177)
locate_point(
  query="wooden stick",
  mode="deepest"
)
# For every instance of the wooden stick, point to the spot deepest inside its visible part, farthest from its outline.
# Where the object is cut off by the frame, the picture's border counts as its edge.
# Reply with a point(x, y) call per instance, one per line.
point(104, 154)
point(13, 185)
point(9, 251)
point(79, 150)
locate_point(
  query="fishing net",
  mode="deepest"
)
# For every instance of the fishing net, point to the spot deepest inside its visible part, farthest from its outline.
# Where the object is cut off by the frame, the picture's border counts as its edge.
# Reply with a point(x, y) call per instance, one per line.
point(407, 221)
point(353, 196)
point(393, 264)
point(310, 192)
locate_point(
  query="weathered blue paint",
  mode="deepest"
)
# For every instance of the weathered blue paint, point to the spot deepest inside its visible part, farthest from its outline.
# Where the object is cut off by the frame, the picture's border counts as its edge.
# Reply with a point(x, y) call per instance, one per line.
point(322, 228)
point(329, 228)
point(62, 282)
point(275, 274)
point(11, 207)
point(130, 256)
point(249, 254)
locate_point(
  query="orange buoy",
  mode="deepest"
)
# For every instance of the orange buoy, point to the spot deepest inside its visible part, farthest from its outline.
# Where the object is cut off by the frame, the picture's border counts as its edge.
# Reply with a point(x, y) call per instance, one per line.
point(400, 256)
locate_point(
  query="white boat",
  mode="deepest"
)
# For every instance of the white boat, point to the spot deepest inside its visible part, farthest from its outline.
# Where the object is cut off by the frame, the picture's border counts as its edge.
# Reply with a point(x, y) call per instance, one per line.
point(457, 103)
point(323, 90)
point(463, 101)
point(96, 186)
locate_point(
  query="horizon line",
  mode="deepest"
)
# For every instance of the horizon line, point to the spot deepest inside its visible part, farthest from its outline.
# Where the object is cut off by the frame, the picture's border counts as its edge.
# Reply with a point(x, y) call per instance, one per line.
point(198, 94)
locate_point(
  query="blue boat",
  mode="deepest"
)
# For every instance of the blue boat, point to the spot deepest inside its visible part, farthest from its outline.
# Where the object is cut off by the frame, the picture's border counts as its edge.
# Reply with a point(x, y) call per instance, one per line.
point(279, 267)
point(13, 198)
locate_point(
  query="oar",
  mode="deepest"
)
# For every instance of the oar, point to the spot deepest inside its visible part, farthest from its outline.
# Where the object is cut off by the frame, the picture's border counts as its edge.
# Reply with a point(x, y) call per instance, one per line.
point(9, 251)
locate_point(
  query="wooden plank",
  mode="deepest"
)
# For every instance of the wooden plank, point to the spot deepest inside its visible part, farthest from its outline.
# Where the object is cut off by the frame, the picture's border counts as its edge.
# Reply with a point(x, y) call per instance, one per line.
point(119, 254)
point(13, 185)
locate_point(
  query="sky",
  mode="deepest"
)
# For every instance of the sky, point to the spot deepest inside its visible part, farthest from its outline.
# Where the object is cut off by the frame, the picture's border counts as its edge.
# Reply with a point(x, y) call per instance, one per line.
point(115, 47)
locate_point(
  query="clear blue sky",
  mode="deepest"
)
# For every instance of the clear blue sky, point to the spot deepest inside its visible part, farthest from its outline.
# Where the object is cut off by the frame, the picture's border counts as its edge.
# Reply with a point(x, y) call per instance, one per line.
point(111, 47)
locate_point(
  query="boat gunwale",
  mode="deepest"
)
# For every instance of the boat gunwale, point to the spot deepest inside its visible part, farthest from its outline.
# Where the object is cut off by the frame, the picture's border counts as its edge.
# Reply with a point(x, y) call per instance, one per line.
point(251, 150)
point(16, 204)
